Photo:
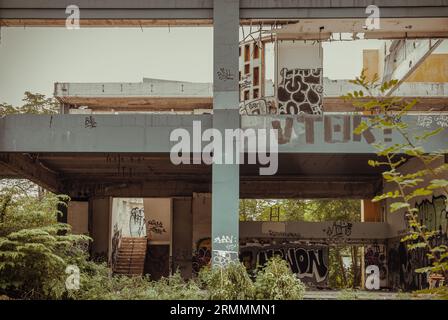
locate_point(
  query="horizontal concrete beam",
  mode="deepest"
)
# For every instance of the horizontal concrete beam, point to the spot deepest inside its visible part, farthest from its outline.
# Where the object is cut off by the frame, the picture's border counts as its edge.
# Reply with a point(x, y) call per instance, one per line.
point(26, 167)
point(150, 133)
point(197, 9)
point(309, 189)
point(249, 188)
point(151, 189)
point(99, 92)
point(328, 232)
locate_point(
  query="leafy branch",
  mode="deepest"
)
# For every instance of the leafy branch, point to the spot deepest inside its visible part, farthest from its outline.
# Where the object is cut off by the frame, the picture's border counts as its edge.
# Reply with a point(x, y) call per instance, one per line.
point(386, 113)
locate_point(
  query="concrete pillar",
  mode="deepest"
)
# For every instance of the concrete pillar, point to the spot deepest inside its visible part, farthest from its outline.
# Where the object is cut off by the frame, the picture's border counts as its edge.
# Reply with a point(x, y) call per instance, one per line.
point(77, 216)
point(101, 227)
point(225, 177)
point(182, 234)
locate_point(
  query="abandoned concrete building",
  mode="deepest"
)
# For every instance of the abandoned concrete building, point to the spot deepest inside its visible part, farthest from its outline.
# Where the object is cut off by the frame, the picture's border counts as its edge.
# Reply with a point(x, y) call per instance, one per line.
point(109, 148)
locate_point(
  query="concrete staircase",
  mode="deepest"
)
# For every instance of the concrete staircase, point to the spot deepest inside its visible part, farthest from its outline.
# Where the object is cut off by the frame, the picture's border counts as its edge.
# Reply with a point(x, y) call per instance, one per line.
point(131, 256)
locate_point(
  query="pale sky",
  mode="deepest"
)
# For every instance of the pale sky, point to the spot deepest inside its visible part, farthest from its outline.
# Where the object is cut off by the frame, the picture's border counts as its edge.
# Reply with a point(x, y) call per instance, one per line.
point(33, 59)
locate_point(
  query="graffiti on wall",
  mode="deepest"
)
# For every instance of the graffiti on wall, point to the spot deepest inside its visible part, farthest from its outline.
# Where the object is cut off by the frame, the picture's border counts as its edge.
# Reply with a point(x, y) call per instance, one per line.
point(433, 214)
point(155, 227)
point(375, 255)
point(259, 106)
point(300, 91)
point(339, 229)
point(426, 121)
point(335, 129)
point(115, 244)
point(309, 263)
point(227, 252)
point(222, 258)
point(403, 262)
point(137, 222)
point(202, 254)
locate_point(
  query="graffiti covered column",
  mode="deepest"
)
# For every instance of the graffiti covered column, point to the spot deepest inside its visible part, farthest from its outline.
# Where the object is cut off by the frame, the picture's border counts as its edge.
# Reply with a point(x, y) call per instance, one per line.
point(225, 180)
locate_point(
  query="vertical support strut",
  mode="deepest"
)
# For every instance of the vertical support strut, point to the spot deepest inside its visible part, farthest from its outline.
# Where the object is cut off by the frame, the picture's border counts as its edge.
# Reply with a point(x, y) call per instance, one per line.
point(225, 180)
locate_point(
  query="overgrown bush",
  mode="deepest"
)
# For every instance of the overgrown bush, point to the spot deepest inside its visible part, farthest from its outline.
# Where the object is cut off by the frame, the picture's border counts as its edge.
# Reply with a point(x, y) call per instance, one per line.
point(276, 281)
point(31, 264)
point(227, 283)
point(98, 284)
point(34, 248)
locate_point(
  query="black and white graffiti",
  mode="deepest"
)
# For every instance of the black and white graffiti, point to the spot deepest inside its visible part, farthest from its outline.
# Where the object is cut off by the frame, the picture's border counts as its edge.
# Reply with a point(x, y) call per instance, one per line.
point(260, 106)
point(89, 122)
point(115, 244)
point(225, 74)
point(155, 227)
point(375, 255)
point(222, 258)
point(309, 263)
point(137, 222)
point(246, 81)
point(427, 121)
point(300, 91)
point(339, 229)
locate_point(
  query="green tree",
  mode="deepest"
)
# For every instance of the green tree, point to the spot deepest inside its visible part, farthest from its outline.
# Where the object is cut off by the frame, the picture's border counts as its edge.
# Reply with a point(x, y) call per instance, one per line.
point(387, 112)
point(33, 103)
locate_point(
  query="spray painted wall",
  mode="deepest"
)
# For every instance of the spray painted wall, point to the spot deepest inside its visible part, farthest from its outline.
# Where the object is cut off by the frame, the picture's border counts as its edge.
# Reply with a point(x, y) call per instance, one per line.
point(402, 262)
point(158, 219)
point(310, 263)
point(158, 215)
point(298, 83)
point(202, 230)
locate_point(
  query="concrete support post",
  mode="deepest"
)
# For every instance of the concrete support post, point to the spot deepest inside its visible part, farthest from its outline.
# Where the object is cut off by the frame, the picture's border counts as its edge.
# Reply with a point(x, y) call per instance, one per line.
point(225, 176)
point(182, 236)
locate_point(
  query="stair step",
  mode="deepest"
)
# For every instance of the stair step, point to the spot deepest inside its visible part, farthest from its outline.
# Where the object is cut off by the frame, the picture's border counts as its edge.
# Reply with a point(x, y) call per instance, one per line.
point(126, 264)
point(131, 256)
point(139, 260)
point(124, 270)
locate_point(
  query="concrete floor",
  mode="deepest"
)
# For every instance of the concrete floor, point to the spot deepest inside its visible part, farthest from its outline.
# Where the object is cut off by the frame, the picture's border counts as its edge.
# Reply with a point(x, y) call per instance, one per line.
point(363, 295)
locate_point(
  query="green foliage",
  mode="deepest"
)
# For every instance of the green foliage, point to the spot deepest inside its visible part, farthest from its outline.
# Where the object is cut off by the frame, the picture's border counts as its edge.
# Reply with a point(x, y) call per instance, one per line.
point(33, 103)
point(32, 263)
point(386, 114)
point(21, 207)
point(303, 210)
point(348, 294)
point(276, 281)
point(34, 248)
point(98, 284)
point(228, 283)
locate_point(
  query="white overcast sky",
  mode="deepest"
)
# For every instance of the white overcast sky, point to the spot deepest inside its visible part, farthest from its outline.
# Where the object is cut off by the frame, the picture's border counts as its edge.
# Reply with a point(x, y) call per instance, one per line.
point(33, 59)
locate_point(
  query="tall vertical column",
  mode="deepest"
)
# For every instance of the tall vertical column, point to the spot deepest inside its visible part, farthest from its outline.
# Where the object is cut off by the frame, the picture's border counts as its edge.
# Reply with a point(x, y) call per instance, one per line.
point(225, 181)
